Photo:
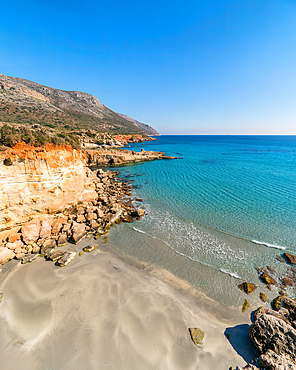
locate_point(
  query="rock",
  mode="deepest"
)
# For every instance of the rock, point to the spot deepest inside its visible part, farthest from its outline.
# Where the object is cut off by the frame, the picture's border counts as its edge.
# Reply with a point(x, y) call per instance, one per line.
point(30, 231)
point(281, 259)
point(197, 336)
point(80, 218)
point(35, 249)
point(48, 243)
point(263, 297)
point(66, 258)
point(90, 248)
point(20, 256)
point(14, 237)
point(100, 213)
point(284, 301)
point(245, 305)
point(269, 332)
point(62, 240)
point(291, 258)
point(6, 255)
point(45, 227)
point(16, 245)
point(29, 258)
point(58, 224)
point(48, 252)
point(268, 311)
point(267, 279)
point(140, 212)
point(270, 361)
point(78, 232)
point(94, 224)
point(56, 255)
point(247, 287)
point(287, 281)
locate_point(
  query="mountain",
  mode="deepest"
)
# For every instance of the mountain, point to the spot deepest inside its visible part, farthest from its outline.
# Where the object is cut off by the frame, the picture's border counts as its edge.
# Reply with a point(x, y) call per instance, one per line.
point(27, 102)
point(150, 130)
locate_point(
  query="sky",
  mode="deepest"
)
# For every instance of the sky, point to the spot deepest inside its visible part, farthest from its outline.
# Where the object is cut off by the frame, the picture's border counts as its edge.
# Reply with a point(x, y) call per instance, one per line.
point(184, 67)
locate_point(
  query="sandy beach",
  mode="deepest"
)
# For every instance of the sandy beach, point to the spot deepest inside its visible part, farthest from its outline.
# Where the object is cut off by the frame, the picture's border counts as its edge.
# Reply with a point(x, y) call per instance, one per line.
point(101, 312)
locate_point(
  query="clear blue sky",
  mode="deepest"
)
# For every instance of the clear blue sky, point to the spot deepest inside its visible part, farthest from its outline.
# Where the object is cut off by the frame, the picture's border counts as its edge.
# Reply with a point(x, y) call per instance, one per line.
point(183, 67)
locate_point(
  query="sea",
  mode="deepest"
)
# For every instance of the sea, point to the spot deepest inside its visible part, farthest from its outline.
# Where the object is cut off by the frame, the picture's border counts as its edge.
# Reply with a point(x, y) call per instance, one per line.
point(215, 215)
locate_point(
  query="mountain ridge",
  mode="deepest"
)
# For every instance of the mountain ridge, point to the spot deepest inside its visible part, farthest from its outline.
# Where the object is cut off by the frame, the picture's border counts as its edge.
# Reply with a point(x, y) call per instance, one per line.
point(26, 101)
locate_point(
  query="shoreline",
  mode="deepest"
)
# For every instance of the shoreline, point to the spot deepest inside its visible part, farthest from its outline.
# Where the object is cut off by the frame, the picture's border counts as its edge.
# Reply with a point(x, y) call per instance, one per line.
point(130, 296)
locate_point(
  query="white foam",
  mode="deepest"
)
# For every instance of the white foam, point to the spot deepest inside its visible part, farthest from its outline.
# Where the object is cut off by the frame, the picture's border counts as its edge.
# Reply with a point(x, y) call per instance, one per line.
point(139, 231)
point(233, 274)
point(269, 245)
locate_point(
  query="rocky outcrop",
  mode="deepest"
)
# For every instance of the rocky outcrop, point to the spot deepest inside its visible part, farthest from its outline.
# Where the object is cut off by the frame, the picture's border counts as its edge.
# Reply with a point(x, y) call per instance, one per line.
point(40, 180)
point(104, 201)
point(273, 333)
point(270, 361)
point(270, 332)
point(121, 156)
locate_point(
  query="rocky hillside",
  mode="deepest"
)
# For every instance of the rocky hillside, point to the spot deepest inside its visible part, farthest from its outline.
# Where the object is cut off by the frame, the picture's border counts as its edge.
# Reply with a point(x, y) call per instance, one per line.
point(27, 102)
point(150, 130)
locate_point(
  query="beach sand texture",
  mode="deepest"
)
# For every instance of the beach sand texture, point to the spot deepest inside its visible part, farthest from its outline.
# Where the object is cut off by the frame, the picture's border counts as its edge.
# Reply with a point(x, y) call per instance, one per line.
point(100, 312)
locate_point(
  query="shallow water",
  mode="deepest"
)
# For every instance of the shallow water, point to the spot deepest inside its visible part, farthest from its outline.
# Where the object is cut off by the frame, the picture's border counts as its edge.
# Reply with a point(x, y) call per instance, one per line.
point(226, 206)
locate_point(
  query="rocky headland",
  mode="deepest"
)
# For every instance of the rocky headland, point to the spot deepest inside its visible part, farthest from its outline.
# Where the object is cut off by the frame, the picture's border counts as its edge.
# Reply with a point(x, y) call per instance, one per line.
point(49, 196)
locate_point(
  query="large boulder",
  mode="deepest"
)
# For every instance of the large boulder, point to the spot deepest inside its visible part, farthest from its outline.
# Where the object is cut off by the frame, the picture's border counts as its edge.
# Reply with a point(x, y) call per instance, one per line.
point(58, 223)
point(270, 332)
point(270, 361)
point(45, 227)
point(6, 255)
point(247, 287)
point(291, 258)
point(30, 231)
point(78, 232)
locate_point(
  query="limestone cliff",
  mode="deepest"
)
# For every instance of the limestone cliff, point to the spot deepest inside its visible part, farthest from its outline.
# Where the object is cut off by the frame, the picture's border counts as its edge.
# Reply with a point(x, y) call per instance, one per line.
point(40, 180)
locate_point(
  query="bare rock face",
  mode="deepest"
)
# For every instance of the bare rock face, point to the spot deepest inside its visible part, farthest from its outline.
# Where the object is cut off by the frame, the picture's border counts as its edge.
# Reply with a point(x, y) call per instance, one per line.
point(269, 332)
point(58, 224)
point(30, 231)
point(6, 255)
point(40, 180)
point(45, 228)
point(78, 232)
point(270, 361)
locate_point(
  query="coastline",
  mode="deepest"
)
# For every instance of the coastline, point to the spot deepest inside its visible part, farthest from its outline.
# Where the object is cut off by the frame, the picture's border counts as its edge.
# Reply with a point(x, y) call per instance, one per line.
point(117, 316)
point(120, 312)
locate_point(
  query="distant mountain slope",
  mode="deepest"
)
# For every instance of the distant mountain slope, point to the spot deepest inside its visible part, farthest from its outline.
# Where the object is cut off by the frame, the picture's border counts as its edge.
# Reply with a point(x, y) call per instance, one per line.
point(150, 130)
point(23, 101)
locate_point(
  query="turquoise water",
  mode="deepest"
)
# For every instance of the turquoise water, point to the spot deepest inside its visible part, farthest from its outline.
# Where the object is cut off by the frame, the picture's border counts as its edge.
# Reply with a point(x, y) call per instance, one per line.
point(224, 207)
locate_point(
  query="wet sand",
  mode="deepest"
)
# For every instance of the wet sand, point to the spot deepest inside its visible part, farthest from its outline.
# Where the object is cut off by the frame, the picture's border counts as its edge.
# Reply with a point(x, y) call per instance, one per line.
point(100, 312)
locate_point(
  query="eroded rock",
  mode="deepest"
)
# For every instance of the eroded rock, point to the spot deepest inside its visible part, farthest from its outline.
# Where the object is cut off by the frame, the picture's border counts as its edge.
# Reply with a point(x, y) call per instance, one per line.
point(30, 231)
point(197, 336)
point(29, 258)
point(66, 258)
point(90, 248)
point(247, 287)
point(269, 332)
point(6, 255)
point(78, 231)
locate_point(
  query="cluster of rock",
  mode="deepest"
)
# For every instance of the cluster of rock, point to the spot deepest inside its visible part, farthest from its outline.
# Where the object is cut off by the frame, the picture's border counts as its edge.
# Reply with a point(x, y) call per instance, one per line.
point(120, 156)
point(273, 333)
point(44, 233)
point(273, 330)
point(91, 139)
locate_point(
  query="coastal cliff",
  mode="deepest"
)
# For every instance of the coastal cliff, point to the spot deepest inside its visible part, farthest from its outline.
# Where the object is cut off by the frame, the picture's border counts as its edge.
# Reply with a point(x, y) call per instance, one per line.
point(40, 180)
point(49, 196)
